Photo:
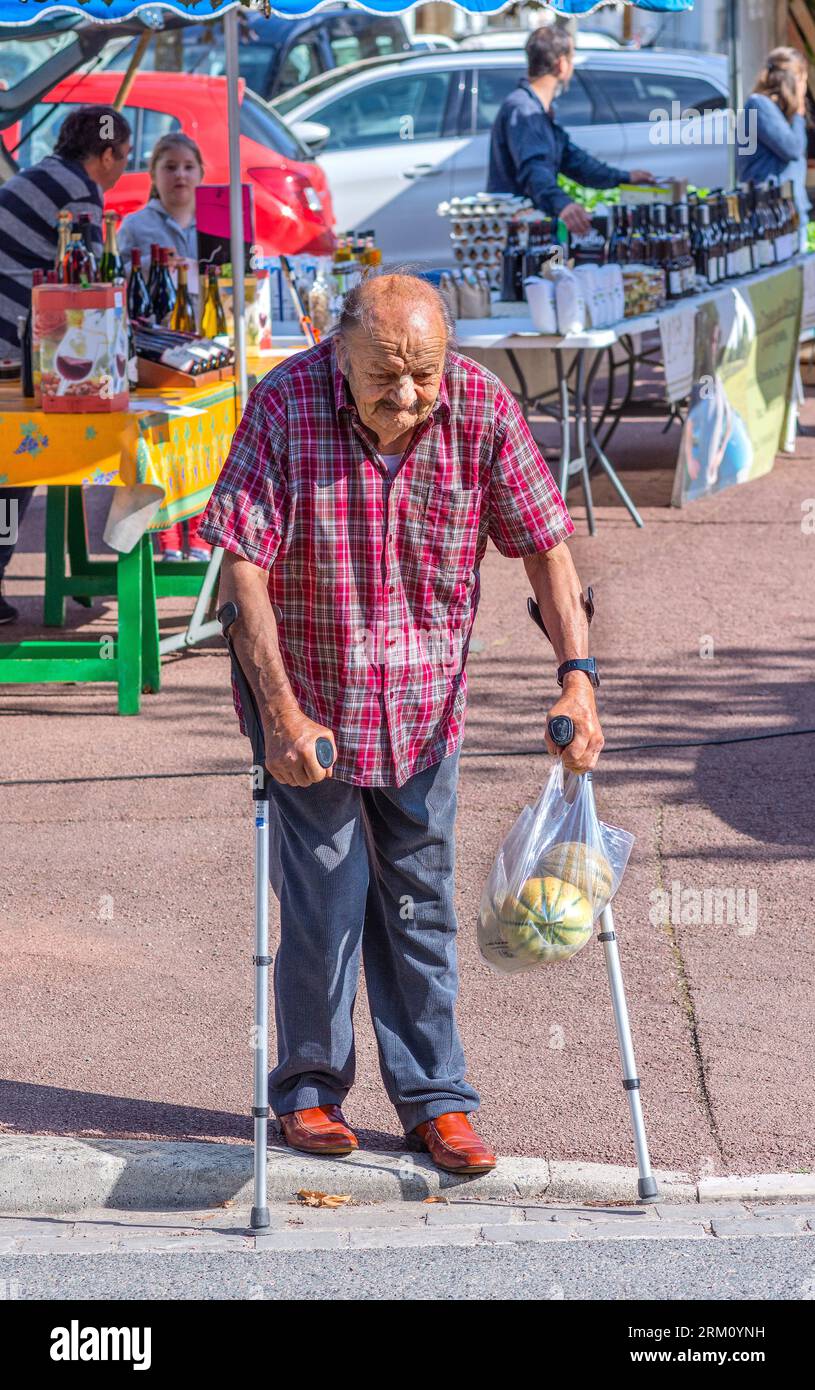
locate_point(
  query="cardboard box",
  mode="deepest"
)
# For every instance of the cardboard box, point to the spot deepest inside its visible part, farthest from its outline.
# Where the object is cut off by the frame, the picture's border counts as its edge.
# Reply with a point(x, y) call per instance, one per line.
point(671, 191)
point(79, 346)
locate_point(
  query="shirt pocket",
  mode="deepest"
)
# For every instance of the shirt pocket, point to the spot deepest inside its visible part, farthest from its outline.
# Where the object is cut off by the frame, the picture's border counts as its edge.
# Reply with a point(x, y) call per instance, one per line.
point(450, 540)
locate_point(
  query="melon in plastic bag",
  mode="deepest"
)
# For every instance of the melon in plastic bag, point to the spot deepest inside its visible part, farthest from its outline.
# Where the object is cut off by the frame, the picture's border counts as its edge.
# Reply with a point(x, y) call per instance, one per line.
point(556, 871)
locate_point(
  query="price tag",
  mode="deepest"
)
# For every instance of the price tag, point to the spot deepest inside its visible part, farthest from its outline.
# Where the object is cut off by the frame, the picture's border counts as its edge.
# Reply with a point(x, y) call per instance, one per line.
point(193, 277)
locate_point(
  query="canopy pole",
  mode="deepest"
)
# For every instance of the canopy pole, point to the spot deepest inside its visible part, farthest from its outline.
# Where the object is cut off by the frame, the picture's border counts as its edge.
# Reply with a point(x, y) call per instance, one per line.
point(735, 79)
point(236, 201)
point(142, 44)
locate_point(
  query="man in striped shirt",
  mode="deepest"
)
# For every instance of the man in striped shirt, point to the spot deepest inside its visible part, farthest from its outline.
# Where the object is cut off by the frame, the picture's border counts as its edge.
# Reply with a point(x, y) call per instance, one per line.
point(90, 156)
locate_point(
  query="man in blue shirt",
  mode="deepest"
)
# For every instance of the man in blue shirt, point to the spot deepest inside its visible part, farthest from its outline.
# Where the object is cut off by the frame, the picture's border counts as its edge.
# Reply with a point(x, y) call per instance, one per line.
point(528, 148)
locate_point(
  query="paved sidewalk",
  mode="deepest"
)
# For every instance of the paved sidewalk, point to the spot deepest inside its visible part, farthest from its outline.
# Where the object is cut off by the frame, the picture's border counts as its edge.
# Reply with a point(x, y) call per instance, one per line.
point(127, 905)
point(294, 1226)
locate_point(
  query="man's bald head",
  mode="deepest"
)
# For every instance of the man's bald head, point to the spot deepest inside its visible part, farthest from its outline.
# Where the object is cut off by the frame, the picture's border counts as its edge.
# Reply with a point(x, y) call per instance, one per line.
point(392, 344)
point(397, 301)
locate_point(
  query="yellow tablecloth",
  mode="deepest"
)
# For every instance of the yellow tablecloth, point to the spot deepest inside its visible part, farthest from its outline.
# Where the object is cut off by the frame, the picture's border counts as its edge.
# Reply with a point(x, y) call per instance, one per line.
point(167, 448)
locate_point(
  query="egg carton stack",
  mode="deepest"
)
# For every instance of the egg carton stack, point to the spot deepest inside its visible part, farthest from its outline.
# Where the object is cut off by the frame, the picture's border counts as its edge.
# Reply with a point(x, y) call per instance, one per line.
point(478, 230)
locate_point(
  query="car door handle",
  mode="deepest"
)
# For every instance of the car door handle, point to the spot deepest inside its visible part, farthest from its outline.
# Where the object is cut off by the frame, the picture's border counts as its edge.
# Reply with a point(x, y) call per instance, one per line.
point(421, 171)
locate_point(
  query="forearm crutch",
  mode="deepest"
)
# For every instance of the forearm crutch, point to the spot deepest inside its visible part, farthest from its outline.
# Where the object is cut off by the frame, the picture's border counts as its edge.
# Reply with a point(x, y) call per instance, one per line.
point(561, 732)
point(227, 616)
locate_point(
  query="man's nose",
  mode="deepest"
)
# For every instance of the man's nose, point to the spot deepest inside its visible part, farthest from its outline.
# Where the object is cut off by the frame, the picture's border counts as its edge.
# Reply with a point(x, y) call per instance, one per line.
point(404, 393)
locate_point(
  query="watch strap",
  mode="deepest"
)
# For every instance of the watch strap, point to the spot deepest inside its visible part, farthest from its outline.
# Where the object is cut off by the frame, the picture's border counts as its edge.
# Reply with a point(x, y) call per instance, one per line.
point(586, 664)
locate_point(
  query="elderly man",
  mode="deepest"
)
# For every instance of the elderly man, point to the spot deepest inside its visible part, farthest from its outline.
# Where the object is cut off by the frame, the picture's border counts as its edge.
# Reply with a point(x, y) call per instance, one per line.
point(363, 485)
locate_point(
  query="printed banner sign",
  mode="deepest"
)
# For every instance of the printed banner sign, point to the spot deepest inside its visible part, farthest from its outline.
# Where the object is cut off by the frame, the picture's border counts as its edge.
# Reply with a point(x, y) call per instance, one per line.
point(745, 348)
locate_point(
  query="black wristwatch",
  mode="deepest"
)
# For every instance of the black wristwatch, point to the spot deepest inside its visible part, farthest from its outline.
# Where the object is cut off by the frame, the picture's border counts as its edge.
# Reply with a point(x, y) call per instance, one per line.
point(586, 664)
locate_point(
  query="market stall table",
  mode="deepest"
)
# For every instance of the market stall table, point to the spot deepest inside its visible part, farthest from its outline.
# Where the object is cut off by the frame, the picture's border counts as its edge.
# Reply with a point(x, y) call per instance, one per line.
point(160, 458)
point(516, 334)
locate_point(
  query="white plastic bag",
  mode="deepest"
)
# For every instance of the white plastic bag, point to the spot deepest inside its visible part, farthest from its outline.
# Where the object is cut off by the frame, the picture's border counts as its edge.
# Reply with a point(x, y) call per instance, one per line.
point(569, 301)
point(540, 296)
point(557, 869)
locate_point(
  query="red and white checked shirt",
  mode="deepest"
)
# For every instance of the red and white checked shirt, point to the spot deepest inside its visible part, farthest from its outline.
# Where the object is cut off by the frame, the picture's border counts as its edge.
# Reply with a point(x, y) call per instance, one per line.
point(375, 582)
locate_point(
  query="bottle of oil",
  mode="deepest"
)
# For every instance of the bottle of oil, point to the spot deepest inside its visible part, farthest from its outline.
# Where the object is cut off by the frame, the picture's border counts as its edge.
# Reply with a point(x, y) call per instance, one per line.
point(182, 318)
point(213, 318)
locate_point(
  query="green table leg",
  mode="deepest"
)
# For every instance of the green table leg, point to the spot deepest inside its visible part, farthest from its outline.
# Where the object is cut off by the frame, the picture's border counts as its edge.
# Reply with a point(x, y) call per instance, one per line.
point(55, 535)
point(151, 661)
point(129, 644)
point(78, 539)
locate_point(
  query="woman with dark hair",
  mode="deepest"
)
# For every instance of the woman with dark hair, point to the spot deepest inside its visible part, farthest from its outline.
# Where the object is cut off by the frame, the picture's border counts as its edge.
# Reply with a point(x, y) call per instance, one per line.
point(773, 135)
point(91, 154)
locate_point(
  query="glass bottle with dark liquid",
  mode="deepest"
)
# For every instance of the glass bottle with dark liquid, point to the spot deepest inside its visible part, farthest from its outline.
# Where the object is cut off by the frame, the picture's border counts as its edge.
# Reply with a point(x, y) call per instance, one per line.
point(78, 267)
point(164, 291)
point(138, 298)
point(86, 230)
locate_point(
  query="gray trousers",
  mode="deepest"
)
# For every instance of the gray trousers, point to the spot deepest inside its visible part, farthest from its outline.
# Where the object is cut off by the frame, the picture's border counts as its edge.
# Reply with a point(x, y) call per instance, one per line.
point(367, 873)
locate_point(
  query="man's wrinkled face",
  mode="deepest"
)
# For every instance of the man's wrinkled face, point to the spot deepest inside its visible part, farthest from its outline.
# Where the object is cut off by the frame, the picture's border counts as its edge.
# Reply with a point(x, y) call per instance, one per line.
point(395, 373)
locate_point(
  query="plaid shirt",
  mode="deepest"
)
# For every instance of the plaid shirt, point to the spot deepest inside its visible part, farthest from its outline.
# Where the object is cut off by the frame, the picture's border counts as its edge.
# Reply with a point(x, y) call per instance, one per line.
point(374, 581)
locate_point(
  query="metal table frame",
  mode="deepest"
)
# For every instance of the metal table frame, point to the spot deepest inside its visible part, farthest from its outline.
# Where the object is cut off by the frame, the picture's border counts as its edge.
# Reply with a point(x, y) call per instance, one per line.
point(132, 658)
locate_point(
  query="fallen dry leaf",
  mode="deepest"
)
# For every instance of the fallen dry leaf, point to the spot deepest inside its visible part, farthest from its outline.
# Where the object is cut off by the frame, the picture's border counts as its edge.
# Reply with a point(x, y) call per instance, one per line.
point(322, 1199)
point(434, 1199)
point(228, 1203)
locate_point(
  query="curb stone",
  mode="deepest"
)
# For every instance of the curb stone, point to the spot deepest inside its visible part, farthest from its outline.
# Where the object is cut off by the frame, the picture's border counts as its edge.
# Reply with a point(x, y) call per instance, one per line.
point(49, 1174)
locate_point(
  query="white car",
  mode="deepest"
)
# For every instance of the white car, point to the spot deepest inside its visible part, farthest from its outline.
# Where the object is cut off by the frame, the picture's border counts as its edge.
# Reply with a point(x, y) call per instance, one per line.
point(397, 138)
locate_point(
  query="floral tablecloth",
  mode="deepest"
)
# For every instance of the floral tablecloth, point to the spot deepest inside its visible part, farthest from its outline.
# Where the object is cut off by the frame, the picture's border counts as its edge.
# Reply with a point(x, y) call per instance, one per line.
point(162, 455)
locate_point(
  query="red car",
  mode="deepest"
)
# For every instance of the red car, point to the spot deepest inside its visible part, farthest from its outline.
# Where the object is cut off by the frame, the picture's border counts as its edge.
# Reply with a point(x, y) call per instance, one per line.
point(293, 211)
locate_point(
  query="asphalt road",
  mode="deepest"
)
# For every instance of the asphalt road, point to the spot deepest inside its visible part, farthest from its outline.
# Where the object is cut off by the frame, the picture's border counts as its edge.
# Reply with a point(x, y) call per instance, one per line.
point(775, 1268)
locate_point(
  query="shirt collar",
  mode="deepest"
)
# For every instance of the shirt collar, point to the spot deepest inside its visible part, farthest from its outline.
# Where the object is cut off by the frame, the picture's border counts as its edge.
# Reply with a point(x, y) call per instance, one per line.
point(344, 401)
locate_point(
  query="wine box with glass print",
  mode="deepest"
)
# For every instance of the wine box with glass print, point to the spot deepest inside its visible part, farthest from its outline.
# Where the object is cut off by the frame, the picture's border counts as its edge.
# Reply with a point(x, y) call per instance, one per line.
point(258, 301)
point(79, 347)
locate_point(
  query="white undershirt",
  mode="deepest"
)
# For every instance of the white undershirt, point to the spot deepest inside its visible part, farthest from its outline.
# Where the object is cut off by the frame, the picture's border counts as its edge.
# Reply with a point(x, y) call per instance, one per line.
point(391, 462)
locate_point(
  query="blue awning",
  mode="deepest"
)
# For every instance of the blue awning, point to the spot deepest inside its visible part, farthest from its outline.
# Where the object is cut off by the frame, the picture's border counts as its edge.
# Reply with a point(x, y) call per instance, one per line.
point(20, 12)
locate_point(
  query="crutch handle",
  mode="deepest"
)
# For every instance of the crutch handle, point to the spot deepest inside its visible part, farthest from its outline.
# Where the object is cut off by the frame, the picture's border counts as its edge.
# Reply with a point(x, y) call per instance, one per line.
point(324, 752)
point(561, 730)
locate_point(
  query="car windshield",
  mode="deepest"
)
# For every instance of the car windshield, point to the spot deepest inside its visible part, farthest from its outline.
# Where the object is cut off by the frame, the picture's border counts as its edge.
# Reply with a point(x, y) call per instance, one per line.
point(316, 85)
point(260, 123)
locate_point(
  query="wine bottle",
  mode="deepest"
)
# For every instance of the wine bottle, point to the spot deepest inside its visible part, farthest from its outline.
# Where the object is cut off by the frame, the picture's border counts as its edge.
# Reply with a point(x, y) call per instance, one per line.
point(85, 228)
point(112, 266)
point(163, 296)
point(179, 358)
point(64, 226)
point(182, 319)
point(78, 267)
point(152, 274)
point(138, 299)
point(24, 325)
point(213, 318)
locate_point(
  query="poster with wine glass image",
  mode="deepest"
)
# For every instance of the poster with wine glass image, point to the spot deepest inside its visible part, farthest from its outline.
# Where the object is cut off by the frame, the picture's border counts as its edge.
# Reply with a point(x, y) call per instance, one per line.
point(79, 344)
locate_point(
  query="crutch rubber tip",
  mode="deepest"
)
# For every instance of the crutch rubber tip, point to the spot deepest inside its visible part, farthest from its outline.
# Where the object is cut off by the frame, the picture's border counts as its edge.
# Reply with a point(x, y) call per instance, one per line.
point(259, 1218)
point(647, 1190)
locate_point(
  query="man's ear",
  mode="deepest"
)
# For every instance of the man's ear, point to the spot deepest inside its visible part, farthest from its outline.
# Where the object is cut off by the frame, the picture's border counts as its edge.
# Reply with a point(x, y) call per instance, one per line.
point(342, 355)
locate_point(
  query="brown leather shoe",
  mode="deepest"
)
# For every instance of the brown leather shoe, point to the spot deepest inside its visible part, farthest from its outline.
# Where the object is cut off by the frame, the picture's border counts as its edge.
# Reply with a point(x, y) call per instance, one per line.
point(321, 1130)
point(454, 1146)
